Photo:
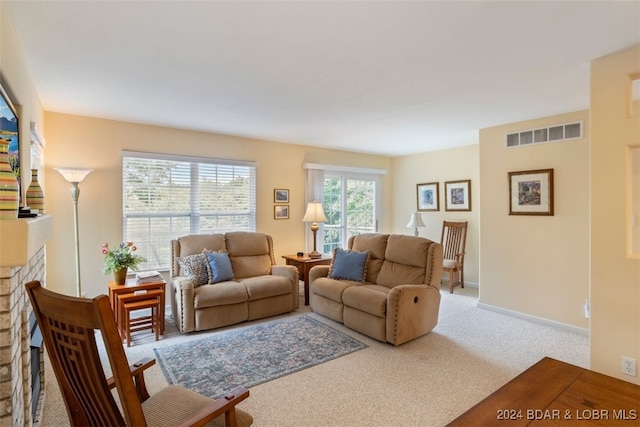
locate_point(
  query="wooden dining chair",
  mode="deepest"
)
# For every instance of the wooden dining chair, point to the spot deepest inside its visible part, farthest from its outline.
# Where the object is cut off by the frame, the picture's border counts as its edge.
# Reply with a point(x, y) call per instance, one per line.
point(453, 240)
point(69, 327)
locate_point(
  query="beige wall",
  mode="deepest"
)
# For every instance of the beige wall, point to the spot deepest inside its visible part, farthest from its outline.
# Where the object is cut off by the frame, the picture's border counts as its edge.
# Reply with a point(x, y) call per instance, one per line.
point(533, 265)
point(439, 166)
point(16, 79)
point(96, 143)
point(537, 265)
point(615, 276)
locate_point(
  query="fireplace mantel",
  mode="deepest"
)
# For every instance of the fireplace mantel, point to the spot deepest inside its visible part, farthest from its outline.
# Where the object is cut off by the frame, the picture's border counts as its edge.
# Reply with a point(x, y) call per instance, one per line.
point(21, 238)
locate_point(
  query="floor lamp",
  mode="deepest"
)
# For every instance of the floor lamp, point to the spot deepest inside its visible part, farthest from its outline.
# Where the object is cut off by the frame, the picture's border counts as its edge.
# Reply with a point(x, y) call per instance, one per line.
point(75, 177)
point(314, 215)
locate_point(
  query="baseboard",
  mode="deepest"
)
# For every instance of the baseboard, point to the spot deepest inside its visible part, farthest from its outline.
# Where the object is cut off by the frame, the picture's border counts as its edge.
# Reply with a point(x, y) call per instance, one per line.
point(536, 319)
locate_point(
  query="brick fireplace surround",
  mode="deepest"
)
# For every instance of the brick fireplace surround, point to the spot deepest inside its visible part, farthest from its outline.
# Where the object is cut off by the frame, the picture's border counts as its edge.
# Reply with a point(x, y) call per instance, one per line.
point(22, 259)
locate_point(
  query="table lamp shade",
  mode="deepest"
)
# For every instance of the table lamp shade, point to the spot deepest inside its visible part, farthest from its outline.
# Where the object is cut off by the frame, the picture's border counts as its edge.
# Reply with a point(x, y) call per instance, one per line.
point(415, 221)
point(314, 213)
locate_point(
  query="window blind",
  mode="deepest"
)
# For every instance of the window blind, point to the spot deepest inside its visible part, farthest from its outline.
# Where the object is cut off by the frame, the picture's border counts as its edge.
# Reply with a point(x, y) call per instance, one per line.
point(165, 197)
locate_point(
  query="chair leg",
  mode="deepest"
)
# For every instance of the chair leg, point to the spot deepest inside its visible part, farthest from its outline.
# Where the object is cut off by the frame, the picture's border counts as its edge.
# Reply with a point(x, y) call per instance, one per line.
point(451, 282)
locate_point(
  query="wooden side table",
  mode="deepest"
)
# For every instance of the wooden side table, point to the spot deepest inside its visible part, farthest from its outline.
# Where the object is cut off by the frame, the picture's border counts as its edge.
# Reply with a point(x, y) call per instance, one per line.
point(303, 264)
point(130, 286)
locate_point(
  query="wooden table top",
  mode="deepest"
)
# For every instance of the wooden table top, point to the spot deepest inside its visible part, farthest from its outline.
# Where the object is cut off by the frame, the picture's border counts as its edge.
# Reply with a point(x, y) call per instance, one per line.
point(306, 258)
point(555, 393)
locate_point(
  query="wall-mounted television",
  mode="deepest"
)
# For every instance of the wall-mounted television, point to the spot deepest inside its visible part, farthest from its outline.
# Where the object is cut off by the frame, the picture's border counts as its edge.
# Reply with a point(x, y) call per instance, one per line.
point(9, 131)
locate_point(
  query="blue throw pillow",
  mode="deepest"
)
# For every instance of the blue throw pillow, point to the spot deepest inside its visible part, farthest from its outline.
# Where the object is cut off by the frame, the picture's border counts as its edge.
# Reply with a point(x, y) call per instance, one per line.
point(349, 265)
point(220, 264)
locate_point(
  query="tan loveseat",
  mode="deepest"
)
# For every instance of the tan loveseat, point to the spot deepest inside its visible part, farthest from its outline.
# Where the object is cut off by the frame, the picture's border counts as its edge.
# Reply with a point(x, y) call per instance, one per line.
point(258, 288)
point(399, 299)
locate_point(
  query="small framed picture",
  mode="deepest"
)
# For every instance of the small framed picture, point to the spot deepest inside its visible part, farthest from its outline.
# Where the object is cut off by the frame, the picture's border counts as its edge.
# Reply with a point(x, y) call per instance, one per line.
point(428, 195)
point(280, 195)
point(531, 192)
point(457, 195)
point(281, 211)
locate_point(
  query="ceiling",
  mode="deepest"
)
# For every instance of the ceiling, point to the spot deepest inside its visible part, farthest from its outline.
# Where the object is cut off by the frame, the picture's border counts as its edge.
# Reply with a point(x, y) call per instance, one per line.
point(383, 77)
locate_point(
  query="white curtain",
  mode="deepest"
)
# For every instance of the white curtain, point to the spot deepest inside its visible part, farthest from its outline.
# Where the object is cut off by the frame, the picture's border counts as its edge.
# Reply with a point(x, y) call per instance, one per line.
point(314, 192)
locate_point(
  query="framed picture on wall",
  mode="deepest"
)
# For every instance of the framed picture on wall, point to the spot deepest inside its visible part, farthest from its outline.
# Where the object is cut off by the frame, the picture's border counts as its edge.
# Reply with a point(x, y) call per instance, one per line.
point(427, 195)
point(280, 195)
point(281, 211)
point(457, 195)
point(531, 192)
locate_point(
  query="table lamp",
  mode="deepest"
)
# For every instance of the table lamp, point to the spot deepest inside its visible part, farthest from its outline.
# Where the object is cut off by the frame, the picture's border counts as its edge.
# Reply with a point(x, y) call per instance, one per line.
point(415, 222)
point(314, 215)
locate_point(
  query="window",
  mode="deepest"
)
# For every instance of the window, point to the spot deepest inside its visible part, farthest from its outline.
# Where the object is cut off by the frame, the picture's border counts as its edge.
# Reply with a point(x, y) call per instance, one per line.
point(350, 206)
point(165, 197)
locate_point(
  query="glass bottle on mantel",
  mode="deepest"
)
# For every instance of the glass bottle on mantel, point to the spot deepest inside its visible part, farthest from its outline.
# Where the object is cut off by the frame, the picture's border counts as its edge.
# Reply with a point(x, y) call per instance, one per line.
point(9, 189)
point(35, 195)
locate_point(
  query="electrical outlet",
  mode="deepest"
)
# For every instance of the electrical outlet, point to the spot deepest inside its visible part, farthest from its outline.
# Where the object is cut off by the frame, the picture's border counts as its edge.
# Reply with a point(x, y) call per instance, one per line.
point(587, 309)
point(629, 366)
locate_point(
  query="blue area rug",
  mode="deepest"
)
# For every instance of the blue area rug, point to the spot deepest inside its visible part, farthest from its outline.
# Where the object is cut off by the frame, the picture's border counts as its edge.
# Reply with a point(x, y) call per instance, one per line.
point(253, 355)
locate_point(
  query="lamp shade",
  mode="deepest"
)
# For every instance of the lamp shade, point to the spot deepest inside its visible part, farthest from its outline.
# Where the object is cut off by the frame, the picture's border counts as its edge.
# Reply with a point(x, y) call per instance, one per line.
point(415, 221)
point(314, 213)
point(74, 174)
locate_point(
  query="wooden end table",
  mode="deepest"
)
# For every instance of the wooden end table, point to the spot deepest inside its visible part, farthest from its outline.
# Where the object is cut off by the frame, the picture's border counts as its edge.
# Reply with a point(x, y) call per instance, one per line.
point(303, 264)
point(130, 286)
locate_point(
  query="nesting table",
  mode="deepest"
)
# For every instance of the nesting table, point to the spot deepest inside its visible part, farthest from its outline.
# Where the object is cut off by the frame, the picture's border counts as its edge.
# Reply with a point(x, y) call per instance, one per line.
point(131, 286)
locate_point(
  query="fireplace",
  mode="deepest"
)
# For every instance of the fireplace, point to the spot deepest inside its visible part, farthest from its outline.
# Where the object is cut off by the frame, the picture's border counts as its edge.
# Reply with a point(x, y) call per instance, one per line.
point(22, 259)
point(37, 363)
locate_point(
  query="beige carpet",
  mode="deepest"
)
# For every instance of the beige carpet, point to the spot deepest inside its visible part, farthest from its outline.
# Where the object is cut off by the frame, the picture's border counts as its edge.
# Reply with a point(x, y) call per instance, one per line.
point(426, 382)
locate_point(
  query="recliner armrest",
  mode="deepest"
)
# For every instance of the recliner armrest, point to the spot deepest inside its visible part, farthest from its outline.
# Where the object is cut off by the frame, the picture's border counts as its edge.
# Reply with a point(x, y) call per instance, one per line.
point(291, 273)
point(318, 271)
point(182, 300)
point(412, 311)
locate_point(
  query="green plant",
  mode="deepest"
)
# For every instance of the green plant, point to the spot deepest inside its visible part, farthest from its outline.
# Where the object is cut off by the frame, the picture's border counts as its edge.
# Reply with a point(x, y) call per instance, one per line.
point(121, 257)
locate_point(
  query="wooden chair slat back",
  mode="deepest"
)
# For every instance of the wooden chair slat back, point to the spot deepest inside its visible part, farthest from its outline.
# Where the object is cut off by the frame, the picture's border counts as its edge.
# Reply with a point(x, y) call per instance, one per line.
point(453, 238)
point(68, 326)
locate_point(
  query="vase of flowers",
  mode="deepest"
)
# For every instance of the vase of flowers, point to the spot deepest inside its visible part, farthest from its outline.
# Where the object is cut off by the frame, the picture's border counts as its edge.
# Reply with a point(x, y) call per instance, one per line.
point(120, 259)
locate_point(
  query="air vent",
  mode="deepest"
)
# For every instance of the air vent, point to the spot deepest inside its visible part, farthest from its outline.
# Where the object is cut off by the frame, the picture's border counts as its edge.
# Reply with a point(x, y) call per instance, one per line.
point(548, 134)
